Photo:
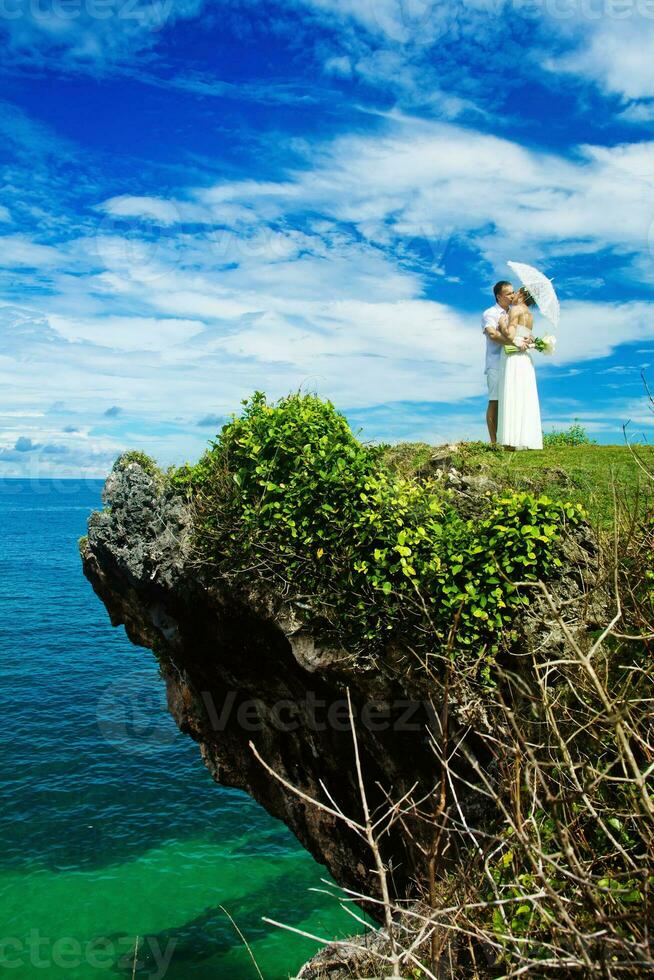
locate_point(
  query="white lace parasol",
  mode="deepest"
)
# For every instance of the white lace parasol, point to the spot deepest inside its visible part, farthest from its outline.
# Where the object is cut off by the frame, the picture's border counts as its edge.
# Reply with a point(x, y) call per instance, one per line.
point(541, 289)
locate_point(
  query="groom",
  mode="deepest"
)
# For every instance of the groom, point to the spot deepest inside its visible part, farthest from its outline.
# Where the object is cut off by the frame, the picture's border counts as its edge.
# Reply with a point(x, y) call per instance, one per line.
point(495, 340)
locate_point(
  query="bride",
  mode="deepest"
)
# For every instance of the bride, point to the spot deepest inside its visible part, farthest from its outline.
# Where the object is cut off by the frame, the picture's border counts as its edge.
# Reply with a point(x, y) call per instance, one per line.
point(519, 425)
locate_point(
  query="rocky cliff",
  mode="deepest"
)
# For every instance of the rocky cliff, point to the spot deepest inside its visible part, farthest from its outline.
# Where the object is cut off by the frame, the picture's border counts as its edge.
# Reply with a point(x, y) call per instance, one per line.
point(240, 668)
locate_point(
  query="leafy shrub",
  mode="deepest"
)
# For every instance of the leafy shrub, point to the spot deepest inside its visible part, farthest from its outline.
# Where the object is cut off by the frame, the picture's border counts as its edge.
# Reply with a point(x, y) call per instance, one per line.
point(561, 885)
point(575, 435)
point(553, 875)
point(147, 464)
point(288, 494)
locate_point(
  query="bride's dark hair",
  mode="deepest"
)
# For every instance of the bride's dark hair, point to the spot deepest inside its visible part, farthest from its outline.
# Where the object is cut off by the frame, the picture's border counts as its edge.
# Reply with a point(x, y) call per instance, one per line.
point(527, 297)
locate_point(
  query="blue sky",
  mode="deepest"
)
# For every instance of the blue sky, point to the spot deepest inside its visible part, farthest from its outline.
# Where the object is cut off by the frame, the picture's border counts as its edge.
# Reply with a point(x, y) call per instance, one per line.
point(203, 199)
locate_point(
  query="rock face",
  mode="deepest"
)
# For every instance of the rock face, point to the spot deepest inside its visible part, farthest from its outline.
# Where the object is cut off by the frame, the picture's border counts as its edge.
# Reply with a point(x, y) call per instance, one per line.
point(240, 668)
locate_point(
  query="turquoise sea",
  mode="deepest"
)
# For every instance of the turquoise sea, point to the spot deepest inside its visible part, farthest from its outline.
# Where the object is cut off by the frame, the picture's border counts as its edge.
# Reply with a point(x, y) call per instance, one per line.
point(110, 826)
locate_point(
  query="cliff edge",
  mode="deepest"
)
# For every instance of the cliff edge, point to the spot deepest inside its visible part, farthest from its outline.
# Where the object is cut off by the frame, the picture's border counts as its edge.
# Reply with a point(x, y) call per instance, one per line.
point(354, 647)
point(241, 666)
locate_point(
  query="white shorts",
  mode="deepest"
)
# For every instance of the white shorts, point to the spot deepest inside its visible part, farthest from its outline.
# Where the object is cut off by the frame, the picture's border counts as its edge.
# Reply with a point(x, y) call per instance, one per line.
point(493, 381)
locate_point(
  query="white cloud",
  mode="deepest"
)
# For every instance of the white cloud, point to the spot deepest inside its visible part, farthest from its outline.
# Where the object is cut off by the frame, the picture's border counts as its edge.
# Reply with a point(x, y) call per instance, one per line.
point(165, 212)
point(617, 54)
point(360, 353)
point(594, 330)
point(609, 42)
point(87, 35)
point(427, 179)
point(23, 133)
point(281, 297)
point(127, 333)
point(338, 65)
point(315, 281)
point(638, 112)
point(394, 44)
point(24, 414)
point(413, 23)
point(19, 250)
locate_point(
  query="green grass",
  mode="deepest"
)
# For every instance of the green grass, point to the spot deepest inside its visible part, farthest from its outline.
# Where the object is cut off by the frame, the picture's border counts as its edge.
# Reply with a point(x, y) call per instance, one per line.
point(583, 474)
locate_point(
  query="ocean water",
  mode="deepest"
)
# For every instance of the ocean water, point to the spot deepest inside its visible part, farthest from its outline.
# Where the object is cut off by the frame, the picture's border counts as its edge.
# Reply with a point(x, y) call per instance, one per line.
point(110, 826)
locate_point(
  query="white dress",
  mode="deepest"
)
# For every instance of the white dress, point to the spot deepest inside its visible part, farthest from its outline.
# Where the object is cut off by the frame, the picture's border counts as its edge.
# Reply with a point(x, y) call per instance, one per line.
point(518, 421)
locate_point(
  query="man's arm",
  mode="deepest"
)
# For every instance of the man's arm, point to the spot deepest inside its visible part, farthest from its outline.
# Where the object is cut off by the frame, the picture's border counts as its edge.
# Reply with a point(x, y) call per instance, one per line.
point(498, 337)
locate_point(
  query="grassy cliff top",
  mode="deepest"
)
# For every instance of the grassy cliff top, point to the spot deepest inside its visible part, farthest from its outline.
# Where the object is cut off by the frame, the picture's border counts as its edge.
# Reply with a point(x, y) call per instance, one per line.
point(584, 474)
point(408, 542)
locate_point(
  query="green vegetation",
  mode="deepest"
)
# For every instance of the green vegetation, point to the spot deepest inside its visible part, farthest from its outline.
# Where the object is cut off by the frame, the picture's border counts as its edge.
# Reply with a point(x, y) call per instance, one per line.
point(575, 435)
point(288, 495)
point(372, 546)
point(584, 474)
point(147, 464)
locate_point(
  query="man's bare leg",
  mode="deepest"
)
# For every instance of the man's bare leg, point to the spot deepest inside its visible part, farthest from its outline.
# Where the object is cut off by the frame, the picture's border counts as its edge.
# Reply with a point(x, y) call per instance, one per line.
point(491, 421)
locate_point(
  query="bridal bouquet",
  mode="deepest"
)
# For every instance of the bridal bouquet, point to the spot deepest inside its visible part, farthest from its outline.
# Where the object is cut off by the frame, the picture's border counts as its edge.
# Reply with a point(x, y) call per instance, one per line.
point(544, 345)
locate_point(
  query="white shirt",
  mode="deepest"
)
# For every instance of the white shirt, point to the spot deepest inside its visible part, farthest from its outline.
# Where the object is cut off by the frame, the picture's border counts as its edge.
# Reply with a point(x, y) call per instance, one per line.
point(491, 318)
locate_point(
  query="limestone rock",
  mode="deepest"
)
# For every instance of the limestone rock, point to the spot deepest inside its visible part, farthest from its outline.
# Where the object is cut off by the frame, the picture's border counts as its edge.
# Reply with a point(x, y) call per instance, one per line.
point(241, 667)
